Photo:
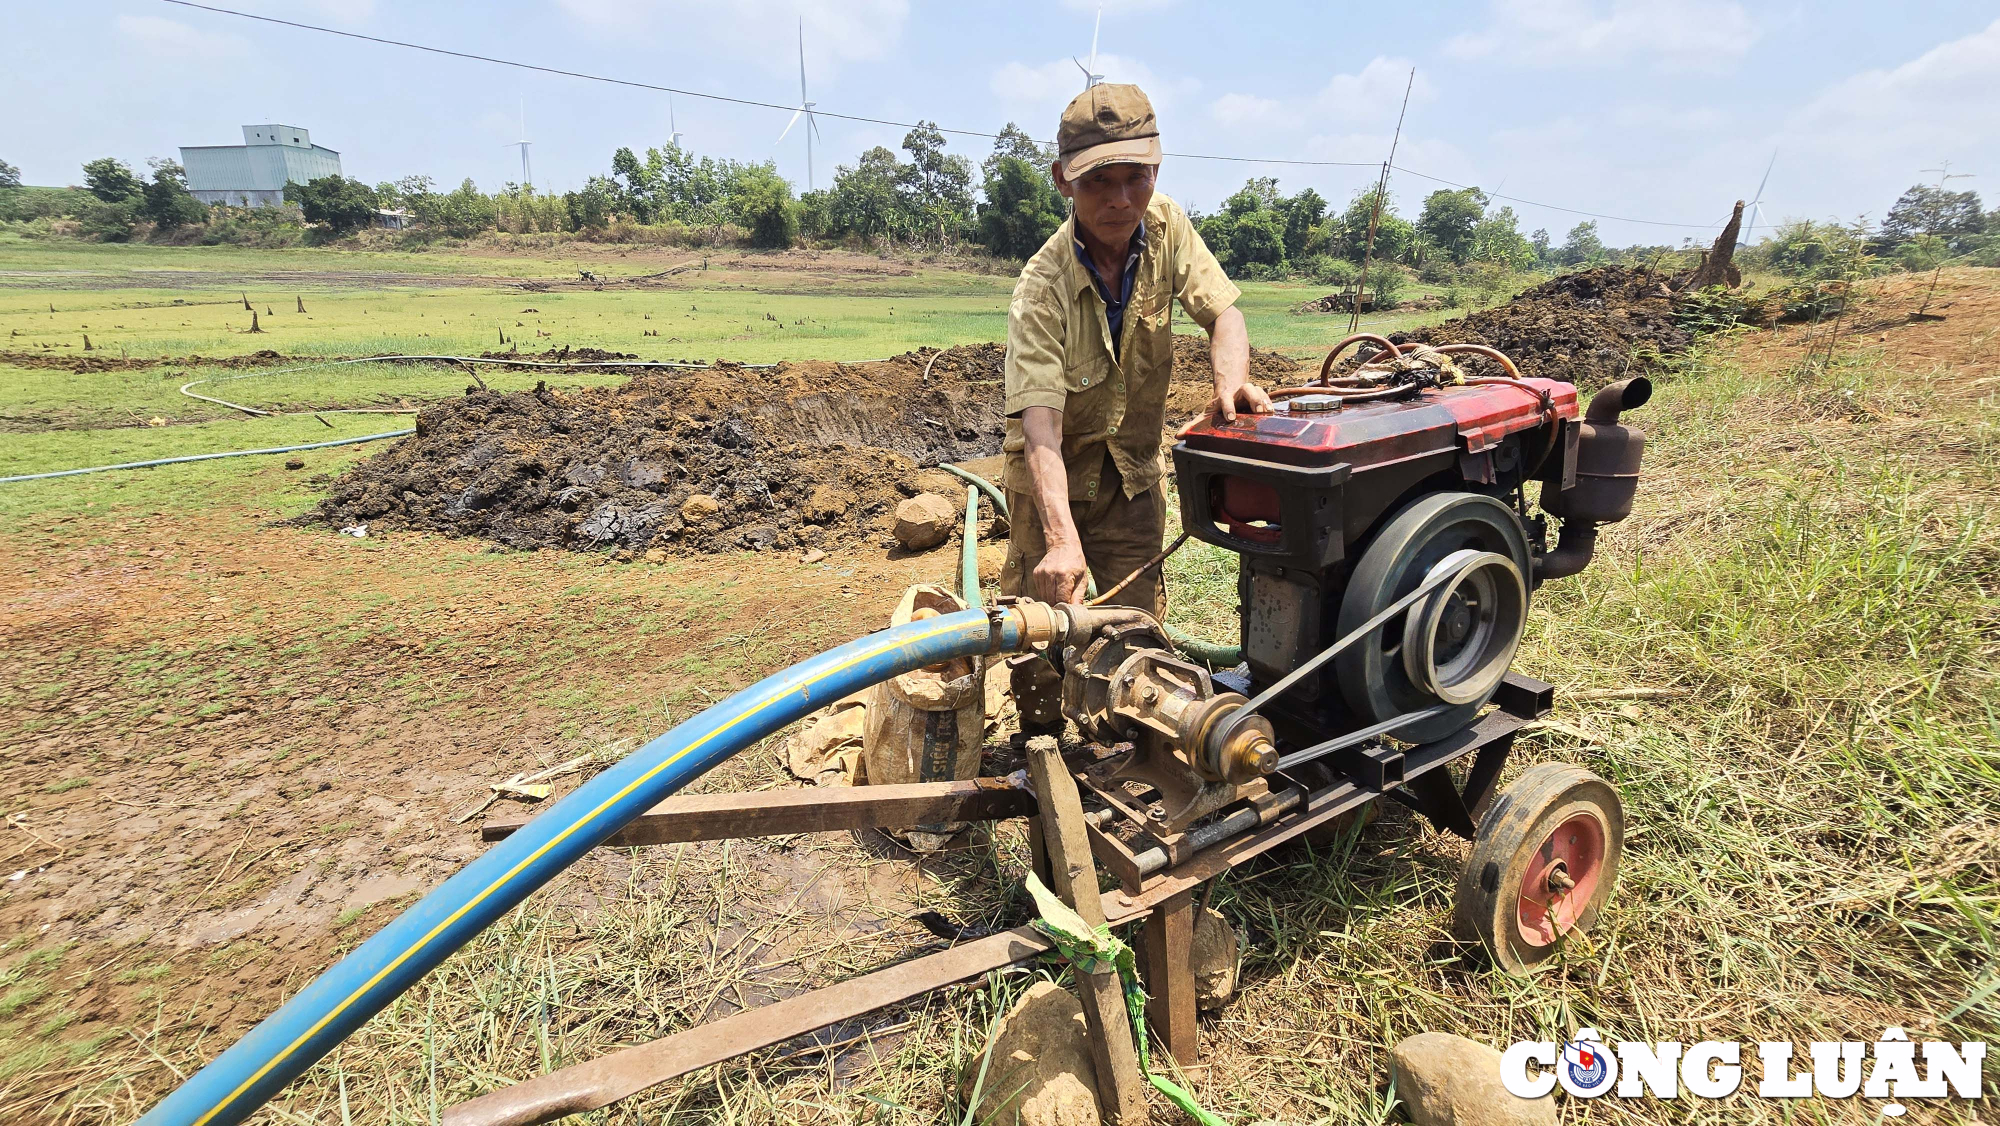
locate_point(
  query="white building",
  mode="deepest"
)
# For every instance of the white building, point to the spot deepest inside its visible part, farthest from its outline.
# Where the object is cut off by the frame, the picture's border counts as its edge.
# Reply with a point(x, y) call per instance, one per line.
point(254, 173)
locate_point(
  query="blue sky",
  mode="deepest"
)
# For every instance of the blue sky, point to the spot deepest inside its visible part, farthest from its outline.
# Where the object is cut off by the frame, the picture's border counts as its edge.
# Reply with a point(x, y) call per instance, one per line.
point(1651, 110)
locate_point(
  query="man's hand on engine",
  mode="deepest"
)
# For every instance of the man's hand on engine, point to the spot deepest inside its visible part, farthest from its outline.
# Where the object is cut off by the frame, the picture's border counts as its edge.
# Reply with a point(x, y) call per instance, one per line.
point(1059, 577)
point(1245, 397)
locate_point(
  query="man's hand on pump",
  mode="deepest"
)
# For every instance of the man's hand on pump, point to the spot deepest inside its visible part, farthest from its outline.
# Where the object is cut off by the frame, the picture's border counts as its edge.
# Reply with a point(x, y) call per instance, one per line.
point(1061, 575)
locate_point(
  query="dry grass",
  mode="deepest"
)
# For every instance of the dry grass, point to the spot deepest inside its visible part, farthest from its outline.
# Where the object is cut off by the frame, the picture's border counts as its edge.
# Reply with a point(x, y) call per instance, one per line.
point(1815, 851)
point(1813, 855)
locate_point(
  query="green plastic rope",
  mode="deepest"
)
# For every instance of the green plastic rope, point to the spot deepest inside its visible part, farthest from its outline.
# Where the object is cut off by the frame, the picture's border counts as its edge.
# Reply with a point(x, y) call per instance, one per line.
point(1095, 950)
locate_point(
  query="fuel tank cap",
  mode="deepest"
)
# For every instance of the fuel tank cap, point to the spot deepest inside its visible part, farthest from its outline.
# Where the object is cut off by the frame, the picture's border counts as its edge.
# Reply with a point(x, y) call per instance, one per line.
point(1313, 403)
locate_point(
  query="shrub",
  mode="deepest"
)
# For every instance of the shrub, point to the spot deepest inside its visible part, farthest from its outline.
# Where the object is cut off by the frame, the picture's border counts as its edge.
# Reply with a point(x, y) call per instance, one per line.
point(111, 180)
point(109, 222)
point(1817, 251)
point(1325, 269)
point(1022, 208)
point(1924, 252)
point(21, 204)
point(1437, 270)
point(1387, 283)
point(343, 205)
point(762, 202)
point(166, 200)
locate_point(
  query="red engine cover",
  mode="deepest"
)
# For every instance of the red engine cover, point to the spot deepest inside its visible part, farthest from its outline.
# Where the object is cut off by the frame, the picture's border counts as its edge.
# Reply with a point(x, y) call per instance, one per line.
point(1467, 419)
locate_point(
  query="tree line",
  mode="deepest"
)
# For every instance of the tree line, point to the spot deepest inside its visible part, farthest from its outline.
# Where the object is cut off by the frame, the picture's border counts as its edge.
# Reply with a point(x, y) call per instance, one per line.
point(925, 198)
point(922, 197)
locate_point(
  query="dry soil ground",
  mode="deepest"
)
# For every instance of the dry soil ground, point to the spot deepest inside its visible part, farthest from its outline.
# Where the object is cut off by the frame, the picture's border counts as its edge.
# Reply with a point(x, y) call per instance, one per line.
point(234, 747)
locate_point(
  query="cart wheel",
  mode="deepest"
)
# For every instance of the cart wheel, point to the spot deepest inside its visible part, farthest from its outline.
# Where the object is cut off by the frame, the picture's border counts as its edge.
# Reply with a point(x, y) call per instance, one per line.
point(1542, 866)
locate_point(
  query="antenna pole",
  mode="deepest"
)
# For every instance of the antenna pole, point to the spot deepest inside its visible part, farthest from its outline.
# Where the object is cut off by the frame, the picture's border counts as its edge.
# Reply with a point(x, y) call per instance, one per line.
point(1375, 213)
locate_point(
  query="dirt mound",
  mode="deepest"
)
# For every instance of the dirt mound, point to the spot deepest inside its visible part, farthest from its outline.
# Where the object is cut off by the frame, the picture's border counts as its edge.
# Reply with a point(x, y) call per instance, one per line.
point(711, 459)
point(1587, 328)
point(706, 460)
point(562, 355)
point(56, 360)
point(1194, 379)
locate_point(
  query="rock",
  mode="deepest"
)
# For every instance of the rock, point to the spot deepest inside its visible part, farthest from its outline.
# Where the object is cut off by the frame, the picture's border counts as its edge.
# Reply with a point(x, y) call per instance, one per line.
point(1041, 1072)
point(992, 558)
point(828, 502)
point(699, 507)
point(1446, 1080)
point(812, 556)
point(924, 521)
point(1214, 954)
point(935, 481)
point(295, 463)
point(655, 555)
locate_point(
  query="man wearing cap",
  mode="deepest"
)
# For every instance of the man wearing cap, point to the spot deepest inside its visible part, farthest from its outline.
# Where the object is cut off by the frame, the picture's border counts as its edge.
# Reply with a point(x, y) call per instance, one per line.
point(1090, 354)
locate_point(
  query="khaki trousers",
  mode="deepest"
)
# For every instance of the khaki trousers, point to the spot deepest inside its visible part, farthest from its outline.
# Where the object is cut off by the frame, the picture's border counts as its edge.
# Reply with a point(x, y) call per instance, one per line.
point(1119, 534)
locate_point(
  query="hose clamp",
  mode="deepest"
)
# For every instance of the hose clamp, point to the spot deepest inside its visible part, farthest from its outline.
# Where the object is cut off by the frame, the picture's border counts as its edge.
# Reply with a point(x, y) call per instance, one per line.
point(1040, 623)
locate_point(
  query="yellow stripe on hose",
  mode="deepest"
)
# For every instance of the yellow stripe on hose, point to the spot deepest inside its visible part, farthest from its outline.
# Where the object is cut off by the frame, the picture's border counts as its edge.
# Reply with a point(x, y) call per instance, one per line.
point(537, 855)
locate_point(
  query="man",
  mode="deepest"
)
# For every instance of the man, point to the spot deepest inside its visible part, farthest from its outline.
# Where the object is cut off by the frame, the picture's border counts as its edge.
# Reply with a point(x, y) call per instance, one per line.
point(1089, 358)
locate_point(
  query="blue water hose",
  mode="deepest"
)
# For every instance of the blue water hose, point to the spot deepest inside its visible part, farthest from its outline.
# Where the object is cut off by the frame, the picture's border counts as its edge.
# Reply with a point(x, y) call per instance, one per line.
point(326, 1012)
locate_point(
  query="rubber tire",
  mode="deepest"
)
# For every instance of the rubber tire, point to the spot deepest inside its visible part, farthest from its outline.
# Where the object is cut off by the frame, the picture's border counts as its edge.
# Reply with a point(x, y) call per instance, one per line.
point(1373, 681)
point(1489, 886)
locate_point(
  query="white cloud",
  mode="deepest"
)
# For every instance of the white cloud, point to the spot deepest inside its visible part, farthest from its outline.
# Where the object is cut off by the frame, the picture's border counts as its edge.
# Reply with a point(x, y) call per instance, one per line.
point(1938, 104)
point(1682, 34)
point(160, 36)
point(1039, 93)
point(1240, 110)
point(1375, 92)
point(1666, 117)
point(1372, 96)
point(764, 32)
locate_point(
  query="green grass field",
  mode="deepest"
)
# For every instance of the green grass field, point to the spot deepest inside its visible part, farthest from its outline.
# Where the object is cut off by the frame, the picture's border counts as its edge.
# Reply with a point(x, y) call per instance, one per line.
point(67, 418)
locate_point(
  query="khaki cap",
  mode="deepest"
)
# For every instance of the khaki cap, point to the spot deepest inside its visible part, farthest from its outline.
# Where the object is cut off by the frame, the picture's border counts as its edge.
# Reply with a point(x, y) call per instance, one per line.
point(1110, 123)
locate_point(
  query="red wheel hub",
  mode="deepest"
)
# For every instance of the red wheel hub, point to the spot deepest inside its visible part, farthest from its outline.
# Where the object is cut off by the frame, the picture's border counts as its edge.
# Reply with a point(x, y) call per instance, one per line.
point(1560, 880)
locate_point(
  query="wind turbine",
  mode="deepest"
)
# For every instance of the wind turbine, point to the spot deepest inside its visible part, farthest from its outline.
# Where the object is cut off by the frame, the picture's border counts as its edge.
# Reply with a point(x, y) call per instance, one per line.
point(673, 130)
point(1757, 201)
point(1090, 75)
point(527, 178)
point(805, 109)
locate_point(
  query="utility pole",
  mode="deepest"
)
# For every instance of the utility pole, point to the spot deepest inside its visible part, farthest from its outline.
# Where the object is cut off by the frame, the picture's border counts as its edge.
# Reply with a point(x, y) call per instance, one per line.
point(1375, 213)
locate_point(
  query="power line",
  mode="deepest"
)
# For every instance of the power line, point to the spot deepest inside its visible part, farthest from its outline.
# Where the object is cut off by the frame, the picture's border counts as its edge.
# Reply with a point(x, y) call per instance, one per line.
point(874, 120)
point(552, 70)
point(1558, 207)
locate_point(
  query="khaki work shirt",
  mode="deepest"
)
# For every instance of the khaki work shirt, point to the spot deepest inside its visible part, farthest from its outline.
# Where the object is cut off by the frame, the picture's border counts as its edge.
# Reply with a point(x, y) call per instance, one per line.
point(1059, 350)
